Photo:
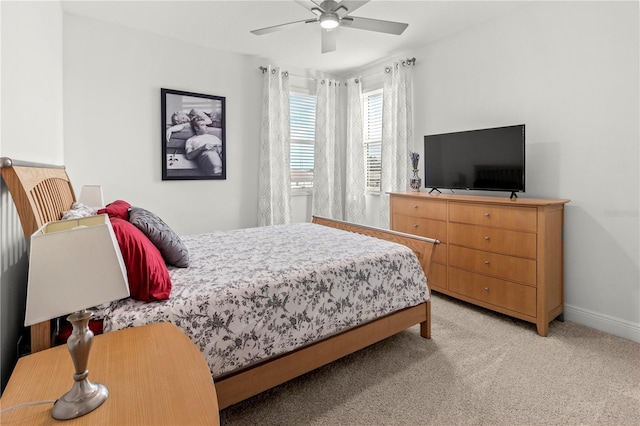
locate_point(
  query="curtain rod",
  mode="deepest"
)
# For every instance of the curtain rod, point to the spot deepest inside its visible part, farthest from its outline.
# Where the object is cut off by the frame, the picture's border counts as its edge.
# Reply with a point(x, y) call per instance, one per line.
point(387, 69)
point(407, 61)
point(286, 73)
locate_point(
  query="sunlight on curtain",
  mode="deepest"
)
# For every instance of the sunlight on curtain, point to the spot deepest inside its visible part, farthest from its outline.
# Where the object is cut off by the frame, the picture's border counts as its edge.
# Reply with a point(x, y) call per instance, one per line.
point(327, 195)
point(397, 134)
point(355, 200)
point(274, 184)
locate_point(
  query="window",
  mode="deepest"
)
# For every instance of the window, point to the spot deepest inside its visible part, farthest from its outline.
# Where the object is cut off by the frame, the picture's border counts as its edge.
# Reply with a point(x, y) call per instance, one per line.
point(303, 136)
point(372, 136)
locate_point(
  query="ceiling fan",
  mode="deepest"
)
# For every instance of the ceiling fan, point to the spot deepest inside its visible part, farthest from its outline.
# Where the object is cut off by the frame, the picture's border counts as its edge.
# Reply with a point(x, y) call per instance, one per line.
point(331, 15)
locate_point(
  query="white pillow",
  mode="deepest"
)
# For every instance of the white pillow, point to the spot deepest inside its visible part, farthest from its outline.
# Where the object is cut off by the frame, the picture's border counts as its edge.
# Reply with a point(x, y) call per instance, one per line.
point(79, 210)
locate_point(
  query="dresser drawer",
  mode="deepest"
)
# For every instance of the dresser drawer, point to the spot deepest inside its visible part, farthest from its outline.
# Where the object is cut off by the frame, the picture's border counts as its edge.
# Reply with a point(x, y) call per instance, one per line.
point(505, 294)
point(497, 265)
point(419, 208)
point(440, 254)
point(513, 243)
point(437, 277)
point(516, 218)
point(419, 226)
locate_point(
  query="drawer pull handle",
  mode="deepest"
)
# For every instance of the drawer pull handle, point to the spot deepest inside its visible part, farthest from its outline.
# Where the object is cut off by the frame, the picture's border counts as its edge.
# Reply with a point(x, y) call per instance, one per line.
point(487, 214)
point(486, 289)
point(415, 226)
point(486, 238)
point(486, 262)
point(415, 207)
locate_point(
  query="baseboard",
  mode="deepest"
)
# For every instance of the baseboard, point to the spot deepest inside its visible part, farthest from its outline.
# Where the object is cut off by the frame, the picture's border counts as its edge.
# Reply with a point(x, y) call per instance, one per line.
point(616, 326)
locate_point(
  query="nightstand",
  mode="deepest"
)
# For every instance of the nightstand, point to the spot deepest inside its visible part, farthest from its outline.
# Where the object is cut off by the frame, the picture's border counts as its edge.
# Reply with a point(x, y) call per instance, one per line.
point(154, 374)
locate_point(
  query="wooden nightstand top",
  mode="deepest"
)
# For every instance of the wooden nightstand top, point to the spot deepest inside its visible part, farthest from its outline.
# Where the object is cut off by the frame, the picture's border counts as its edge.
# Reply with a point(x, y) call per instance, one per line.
point(154, 374)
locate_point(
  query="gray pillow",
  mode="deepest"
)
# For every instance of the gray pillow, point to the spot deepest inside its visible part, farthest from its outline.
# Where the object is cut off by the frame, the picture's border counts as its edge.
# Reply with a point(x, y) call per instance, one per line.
point(161, 235)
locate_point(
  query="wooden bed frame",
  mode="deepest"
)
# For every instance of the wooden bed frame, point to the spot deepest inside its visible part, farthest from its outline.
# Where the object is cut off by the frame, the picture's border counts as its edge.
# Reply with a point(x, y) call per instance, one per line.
point(42, 192)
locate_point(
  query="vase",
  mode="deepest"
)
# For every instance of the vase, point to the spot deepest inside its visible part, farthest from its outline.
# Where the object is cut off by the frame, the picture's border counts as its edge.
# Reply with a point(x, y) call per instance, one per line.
point(415, 181)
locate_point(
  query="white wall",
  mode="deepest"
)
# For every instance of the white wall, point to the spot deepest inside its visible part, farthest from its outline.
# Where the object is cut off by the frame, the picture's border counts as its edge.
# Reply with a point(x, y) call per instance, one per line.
point(31, 117)
point(569, 71)
point(32, 81)
point(112, 81)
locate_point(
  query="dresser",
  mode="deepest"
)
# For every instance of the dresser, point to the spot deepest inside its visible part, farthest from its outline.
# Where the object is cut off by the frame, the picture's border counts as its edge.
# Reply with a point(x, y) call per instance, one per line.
point(496, 252)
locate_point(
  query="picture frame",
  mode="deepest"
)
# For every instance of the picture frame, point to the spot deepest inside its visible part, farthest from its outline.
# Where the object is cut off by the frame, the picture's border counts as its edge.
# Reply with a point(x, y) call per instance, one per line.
point(193, 135)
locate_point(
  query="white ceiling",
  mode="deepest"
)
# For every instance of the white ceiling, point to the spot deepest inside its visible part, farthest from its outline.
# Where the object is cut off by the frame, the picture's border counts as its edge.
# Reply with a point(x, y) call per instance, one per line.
point(225, 25)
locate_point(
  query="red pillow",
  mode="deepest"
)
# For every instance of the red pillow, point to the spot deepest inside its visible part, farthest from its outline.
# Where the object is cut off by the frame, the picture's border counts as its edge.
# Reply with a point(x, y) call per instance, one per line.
point(118, 208)
point(147, 273)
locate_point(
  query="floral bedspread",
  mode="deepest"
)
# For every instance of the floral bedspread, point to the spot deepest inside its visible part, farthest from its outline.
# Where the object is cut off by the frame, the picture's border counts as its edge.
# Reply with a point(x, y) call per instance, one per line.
point(251, 294)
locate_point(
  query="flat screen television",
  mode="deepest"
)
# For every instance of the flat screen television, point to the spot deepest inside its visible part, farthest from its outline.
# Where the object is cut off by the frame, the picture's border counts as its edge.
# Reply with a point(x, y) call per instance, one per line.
point(485, 159)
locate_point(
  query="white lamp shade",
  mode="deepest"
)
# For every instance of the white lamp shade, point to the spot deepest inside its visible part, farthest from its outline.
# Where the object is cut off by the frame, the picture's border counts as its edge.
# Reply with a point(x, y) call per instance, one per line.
point(91, 195)
point(73, 265)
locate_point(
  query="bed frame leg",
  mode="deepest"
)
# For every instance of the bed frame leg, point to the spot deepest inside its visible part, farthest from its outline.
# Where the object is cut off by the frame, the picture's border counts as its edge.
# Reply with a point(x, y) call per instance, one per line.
point(425, 327)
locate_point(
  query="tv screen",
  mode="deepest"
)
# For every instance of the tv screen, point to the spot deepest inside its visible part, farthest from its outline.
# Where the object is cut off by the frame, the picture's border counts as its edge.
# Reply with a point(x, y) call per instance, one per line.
point(486, 159)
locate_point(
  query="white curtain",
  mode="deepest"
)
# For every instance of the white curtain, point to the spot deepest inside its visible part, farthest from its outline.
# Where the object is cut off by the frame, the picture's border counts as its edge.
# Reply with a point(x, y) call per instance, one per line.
point(274, 180)
point(355, 201)
point(327, 188)
point(397, 133)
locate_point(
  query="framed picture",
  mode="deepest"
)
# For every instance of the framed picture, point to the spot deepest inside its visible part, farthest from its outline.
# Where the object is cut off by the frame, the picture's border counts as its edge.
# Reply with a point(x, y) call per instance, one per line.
point(193, 136)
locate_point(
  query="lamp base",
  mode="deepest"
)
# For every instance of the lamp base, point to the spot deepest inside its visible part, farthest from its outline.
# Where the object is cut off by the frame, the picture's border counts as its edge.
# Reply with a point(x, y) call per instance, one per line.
point(83, 398)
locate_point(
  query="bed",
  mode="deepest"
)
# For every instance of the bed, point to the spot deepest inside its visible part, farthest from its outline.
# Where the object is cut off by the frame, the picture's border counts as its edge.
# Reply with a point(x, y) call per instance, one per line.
point(41, 193)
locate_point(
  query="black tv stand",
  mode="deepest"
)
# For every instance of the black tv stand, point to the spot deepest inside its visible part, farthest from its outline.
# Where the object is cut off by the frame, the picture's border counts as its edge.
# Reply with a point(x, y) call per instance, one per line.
point(513, 195)
point(435, 189)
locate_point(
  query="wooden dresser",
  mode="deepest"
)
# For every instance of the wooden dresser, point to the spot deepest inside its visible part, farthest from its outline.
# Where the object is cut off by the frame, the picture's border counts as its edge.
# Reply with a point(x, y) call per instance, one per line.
point(499, 253)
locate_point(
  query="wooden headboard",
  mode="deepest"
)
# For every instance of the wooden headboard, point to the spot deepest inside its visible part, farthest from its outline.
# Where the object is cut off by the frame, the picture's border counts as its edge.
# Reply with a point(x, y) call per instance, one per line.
point(41, 193)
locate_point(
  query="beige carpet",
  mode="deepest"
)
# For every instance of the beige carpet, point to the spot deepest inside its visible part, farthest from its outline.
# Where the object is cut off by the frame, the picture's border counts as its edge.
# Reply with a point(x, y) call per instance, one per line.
point(480, 368)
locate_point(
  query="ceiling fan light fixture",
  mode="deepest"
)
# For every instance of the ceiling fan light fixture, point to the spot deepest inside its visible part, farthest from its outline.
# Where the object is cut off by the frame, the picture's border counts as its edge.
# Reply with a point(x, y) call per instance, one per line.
point(329, 21)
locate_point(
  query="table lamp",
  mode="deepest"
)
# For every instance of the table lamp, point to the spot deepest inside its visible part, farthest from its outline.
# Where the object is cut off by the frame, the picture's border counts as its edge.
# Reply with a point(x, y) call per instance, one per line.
point(91, 195)
point(74, 265)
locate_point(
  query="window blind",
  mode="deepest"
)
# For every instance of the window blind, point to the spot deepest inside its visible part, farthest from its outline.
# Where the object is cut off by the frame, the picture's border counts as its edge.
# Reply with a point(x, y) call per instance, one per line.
point(372, 137)
point(303, 135)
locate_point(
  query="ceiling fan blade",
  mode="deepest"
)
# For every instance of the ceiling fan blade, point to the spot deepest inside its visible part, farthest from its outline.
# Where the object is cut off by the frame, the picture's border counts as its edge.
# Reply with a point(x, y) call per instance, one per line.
point(286, 26)
point(310, 5)
point(350, 6)
point(378, 25)
point(329, 39)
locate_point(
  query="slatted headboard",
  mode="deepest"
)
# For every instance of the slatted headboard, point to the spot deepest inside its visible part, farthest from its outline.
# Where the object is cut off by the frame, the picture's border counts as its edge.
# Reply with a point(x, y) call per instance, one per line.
point(41, 193)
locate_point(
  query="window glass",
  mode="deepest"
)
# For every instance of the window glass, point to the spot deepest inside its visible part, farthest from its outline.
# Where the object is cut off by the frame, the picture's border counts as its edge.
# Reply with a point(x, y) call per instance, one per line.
point(303, 136)
point(372, 136)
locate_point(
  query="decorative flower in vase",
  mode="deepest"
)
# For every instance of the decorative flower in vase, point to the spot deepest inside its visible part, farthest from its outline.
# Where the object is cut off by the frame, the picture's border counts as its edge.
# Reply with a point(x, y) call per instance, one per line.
point(415, 181)
point(415, 158)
